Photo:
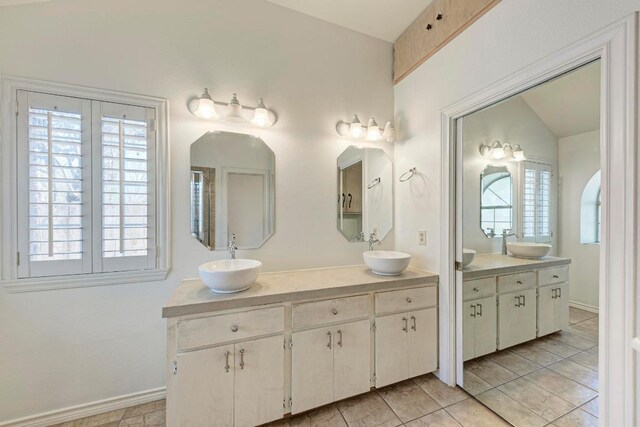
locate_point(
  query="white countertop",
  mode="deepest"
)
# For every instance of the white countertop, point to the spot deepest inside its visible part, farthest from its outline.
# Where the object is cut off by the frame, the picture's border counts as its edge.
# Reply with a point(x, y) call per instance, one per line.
point(484, 265)
point(193, 297)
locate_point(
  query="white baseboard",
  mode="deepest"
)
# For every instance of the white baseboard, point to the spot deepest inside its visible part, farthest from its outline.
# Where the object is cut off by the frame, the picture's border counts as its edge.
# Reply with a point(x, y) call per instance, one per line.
point(88, 409)
point(584, 307)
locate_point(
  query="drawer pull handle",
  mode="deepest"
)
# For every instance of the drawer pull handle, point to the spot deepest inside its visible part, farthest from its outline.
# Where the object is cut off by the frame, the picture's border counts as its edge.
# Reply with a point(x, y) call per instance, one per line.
point(414, 327)
point(554, 294)
point(559, 292)
point(242, 358)
point(476, 289)
point(226, 363)
point(234, 328)
point(340, 337)
point(330, 344)
point(524, 300)
point(405, 325)
point(334, 312)
point(555, 276)
point(474, 310)
point(518, 299)
point(480, 310)
point(519, 282)
point(409, 300)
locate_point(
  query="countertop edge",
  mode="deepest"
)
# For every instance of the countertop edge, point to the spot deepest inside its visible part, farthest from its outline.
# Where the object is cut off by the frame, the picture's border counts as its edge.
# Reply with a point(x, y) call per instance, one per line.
point(475, 274)
point(294, 296)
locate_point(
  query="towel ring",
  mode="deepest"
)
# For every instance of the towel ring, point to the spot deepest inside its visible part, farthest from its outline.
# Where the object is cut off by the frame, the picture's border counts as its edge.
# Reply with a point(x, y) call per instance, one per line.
point(373, 183)
point(404, 177)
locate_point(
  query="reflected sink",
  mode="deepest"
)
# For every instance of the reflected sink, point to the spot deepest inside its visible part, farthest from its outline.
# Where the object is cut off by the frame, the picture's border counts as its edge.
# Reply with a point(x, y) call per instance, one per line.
point(386, 263)
point(229, 275)
point(528, 250)
point(467, 256)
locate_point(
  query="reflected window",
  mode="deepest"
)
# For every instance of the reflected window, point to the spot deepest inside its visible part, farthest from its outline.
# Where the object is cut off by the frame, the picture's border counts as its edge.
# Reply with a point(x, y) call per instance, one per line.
point(497, 200)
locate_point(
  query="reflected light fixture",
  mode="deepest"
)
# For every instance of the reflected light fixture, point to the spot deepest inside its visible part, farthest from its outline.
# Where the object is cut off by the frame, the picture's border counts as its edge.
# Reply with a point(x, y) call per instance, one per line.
point(355, 128)
point(371, 132)
point(502, 151)
point(206, 108)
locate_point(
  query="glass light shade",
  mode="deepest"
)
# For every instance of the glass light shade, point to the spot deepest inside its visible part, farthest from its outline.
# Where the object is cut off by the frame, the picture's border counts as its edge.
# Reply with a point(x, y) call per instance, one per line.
point(373, 131)
point(234, 110)
point(497, 151)
point(389, 132)
point(261, 115)
point(518, 154)
point(206, 107)
point(355, 128)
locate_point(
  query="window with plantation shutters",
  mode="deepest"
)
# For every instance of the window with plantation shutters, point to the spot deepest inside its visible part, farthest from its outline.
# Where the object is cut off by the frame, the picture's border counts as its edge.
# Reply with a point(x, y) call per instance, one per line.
point(536, 202)
point(85, 186)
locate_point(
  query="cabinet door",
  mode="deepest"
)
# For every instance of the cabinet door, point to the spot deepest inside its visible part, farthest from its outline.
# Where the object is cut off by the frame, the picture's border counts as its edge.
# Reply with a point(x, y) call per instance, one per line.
point(392, 344)
point(508, 327)
point(527, 316)
point(353, 188)
point(259, 381)
point(486, 323)
point(562, 306)
point(469, 330)
point(423, 341)
point(311, 369)
point(546, 310)
point(204, 387)
point(351, 359)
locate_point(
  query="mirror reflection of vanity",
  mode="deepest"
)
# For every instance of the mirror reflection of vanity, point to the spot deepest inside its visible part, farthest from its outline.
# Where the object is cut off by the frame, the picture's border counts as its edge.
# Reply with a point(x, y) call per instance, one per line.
point(365, 197)
point(232, 190)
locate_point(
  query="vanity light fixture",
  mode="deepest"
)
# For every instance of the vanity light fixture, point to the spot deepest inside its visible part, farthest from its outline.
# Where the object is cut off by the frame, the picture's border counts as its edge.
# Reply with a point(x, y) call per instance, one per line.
point(205, 107)
point(371, 132)
point(502, 151)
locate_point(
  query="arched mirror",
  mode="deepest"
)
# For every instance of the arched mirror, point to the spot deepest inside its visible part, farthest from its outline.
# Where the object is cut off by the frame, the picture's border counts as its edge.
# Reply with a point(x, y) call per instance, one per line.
point(496, 200)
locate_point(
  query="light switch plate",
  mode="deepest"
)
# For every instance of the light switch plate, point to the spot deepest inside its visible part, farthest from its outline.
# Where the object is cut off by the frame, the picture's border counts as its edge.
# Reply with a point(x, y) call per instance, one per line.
point(422, 237)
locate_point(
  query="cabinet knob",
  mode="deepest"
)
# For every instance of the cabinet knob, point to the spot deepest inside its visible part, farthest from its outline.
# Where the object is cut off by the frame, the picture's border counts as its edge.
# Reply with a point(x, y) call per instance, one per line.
point(234, 328)
point(519, 282)
point(409, 300)
point(334, 311)
point(476, 289)
point(555, 276)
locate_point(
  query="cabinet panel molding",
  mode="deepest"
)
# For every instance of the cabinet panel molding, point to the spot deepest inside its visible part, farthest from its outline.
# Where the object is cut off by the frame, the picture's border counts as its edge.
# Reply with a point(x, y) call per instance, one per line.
point(319, 313)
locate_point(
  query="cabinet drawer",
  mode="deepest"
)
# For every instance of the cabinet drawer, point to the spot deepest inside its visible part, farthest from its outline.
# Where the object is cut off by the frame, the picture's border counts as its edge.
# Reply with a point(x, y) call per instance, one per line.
point(473, 289)
point(406, 299)
point(213, 330)
point(329, 311)
point(516, 282)
point(550, 276)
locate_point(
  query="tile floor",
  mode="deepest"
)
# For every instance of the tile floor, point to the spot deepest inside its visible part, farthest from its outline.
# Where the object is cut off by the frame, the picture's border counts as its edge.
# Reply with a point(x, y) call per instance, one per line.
point(552, 381)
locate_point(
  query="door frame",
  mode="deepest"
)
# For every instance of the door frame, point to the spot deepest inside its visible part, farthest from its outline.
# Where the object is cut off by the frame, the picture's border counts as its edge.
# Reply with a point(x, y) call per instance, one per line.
point(616, 47)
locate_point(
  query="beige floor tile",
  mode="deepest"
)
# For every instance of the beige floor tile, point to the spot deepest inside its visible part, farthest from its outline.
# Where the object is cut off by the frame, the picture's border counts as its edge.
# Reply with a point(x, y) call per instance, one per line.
point(591, 407)
point(586, 359)
point(408, 401)
point(577, 372)
point(562, 350)
point(510, 409)
point(577, 418)
point(471, 413)
point(561, 386)
point(137, 421)
point(583, 330)
point(594, 350)
point(568, 338)
point(490, 371)
point(514, 362)
point(439, 391)
point(542, 402)
point(475, 385)
point(536, 355)
point(96, 420)
point(327, 416)
point(155, 419)
point(368, 410)
point(439, 418)
point(145, 408)
point(581, 314)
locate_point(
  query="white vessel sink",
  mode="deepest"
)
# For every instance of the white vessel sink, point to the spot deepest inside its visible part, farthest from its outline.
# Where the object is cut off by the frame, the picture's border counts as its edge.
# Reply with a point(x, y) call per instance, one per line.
point(230, 275)
point(386, 263)
point(467, 256)
point(528, 250)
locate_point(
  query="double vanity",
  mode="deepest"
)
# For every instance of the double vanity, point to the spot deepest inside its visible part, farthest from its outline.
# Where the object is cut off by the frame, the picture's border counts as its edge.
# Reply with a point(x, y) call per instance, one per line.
point(294, 341)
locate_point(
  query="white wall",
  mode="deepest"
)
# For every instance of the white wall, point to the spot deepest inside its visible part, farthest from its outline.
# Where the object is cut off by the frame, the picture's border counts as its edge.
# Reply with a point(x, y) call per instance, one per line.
point(578, 161)
point(512, 121)
point(69, 347)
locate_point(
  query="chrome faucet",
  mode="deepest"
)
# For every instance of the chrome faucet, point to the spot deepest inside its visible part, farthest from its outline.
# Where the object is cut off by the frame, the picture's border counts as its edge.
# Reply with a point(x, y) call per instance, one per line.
point(231, 246)
point(504, 240)
point(359, 237)
point(491, 233)
point(373, 238)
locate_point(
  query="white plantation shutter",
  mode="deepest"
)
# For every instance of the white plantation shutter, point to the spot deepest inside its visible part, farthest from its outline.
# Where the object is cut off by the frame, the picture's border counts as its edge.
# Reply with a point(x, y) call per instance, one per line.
point(54, 185)
point(125, 210)
point(536, 202)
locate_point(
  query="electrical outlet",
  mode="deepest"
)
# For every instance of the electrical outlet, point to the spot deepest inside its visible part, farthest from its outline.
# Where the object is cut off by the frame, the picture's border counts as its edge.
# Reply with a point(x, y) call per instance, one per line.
point(422, 237)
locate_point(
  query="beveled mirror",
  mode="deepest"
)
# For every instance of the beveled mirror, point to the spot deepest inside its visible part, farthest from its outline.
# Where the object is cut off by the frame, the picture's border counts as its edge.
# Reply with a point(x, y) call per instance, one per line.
point(365, 198)
point(232, 190)
point(496, 200)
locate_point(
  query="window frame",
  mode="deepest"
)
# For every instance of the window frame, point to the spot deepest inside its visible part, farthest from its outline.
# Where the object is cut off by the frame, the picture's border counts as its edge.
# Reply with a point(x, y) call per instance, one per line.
point(541, 164)
point(9, 87)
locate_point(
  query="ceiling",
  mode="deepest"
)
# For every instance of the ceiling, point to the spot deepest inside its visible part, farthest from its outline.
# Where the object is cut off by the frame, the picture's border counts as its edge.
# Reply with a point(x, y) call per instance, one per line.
point(382, 19)
point(570, 104)
point(12, 2)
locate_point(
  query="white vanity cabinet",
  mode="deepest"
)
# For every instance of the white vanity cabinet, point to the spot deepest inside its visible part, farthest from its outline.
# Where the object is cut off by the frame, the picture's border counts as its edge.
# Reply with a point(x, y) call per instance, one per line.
point(553, 300)
point(516, 318)
point(405, 342)
point(479, 317)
